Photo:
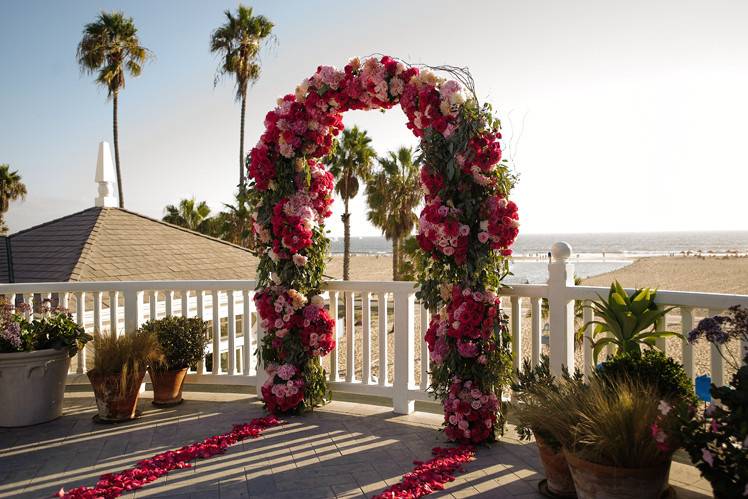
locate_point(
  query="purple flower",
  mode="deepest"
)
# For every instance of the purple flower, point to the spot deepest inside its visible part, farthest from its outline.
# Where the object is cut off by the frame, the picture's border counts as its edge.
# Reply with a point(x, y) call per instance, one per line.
point(711, 327)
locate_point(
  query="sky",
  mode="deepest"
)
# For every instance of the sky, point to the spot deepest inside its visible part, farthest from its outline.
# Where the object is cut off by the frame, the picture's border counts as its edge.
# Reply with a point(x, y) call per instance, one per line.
point(617, 116)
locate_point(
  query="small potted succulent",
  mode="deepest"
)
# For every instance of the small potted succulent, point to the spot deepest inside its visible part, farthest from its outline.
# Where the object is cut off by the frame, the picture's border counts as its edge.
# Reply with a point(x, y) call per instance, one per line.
point(35, 352)
point(529, 403)
point(120, 364)
point(608, 433)
point(182, 341)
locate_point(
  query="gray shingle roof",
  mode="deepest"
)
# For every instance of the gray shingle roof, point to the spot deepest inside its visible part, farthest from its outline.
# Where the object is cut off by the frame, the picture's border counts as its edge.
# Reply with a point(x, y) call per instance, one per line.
point(112, 244)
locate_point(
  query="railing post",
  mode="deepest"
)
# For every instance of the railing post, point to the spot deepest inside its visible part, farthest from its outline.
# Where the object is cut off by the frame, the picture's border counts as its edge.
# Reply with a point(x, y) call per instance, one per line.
point(133, 310)
point(561, 308)
point(404, 331)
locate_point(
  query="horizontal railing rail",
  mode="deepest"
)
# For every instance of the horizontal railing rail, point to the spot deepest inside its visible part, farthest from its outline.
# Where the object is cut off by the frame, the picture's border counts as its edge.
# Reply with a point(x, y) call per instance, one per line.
point(380, 327)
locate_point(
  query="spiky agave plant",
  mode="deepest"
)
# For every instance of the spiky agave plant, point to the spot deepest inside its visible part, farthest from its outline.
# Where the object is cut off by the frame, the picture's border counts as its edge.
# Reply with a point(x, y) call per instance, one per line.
point(631, 320)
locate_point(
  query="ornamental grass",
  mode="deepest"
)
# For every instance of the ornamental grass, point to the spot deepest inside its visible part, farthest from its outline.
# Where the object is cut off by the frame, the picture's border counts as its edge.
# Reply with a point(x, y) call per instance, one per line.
point(128, 355)
point(608, 424)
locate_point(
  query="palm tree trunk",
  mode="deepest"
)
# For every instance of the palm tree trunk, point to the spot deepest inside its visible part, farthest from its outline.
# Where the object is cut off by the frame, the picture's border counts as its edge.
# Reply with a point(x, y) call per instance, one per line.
point(395, 258)
point(400, 254)
point(241, 140)
point(346, 241)
point(115, 132)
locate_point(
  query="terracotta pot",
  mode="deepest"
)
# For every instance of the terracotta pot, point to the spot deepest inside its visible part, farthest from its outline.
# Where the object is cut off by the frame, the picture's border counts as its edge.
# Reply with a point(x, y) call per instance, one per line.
point(167, 386)
point(557, 474)
point(114, 405)
point(596, 481)
point(32, 386)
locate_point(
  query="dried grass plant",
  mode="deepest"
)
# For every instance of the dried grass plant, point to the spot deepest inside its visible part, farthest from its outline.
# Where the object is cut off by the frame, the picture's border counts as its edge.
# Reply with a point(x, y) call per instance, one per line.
point(128, 355)
point(608, 424)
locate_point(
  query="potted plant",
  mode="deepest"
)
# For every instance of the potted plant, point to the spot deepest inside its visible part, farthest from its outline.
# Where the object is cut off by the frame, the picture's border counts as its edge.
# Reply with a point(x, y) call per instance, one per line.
point(182, 341)
point(716, 438)
point(609, 437)
point(530, 405)
point(35, 352)
point(120, 365)
point(630, 321)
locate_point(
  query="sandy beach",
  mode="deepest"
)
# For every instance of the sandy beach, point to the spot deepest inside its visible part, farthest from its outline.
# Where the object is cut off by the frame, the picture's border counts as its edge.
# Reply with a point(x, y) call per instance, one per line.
point(708, 274)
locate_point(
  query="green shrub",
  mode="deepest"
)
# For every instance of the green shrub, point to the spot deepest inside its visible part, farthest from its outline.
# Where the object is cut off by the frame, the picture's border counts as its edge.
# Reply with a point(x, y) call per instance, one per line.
point(182, 341)
point(652, 368)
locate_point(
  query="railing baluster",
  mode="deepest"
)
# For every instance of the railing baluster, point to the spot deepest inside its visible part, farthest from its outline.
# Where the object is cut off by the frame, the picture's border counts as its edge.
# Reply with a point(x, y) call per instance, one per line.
point(80, 313)
point(169, 296)
point(424, 348)
point(97, 312)
point(516, 303)
point(185, 302)
point(28, 299)
point(536, 319)
point(350, 343)
point(201, 314)
point(113, 326)
point(686, 325)
point(246, 331)
point(231, 355)
point(153, 305)
point(718, 371)
point(334, 375)
point(64, 300)
point(366, 337)
point(261, 375)
point(382, 309)
point(215, 307)
point(588, 315)
point(661, 343)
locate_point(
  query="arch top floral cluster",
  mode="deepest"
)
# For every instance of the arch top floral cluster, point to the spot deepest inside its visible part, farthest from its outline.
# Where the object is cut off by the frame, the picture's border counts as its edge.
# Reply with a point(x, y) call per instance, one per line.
point(465, 230)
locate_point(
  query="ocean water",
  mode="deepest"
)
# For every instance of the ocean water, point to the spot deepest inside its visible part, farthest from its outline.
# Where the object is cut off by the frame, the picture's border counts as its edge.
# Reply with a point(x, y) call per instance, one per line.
point(593, 254)
point(630, 244)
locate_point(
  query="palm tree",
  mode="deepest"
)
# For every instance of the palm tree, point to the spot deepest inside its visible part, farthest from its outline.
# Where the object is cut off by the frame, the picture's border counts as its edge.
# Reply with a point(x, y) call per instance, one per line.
point(238, 44)
point(11, 188)
point(190, 214)
point(351, 164)
point(393, 194)
point(233, 224)
point(110, 47)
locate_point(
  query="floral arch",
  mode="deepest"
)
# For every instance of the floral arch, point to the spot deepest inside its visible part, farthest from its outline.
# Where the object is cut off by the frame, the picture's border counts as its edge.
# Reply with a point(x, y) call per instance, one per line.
point(466, 230)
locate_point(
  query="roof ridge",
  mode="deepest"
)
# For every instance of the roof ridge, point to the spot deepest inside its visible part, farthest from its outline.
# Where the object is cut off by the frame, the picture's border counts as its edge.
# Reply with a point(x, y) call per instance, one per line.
point(184, 229)
point(87, 248)
point(39, 226)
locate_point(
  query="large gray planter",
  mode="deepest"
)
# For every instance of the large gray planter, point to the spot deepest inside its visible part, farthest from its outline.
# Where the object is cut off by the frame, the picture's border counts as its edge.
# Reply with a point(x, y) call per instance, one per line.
point(32, 386)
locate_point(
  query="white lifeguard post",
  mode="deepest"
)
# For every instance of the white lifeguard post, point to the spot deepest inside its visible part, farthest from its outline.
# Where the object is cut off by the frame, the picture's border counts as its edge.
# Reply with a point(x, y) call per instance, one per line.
point(105, 177)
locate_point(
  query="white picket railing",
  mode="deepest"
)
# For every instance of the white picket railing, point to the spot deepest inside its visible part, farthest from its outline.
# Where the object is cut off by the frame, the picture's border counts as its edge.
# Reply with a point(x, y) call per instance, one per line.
point(394, 322)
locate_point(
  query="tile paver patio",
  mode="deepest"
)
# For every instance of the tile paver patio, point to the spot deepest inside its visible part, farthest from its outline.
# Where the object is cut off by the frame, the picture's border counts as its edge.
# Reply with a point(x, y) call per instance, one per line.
point(345, 449)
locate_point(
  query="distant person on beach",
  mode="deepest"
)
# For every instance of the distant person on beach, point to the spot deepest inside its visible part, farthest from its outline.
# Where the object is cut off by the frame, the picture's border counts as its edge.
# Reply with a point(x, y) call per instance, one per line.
point(549, 256)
